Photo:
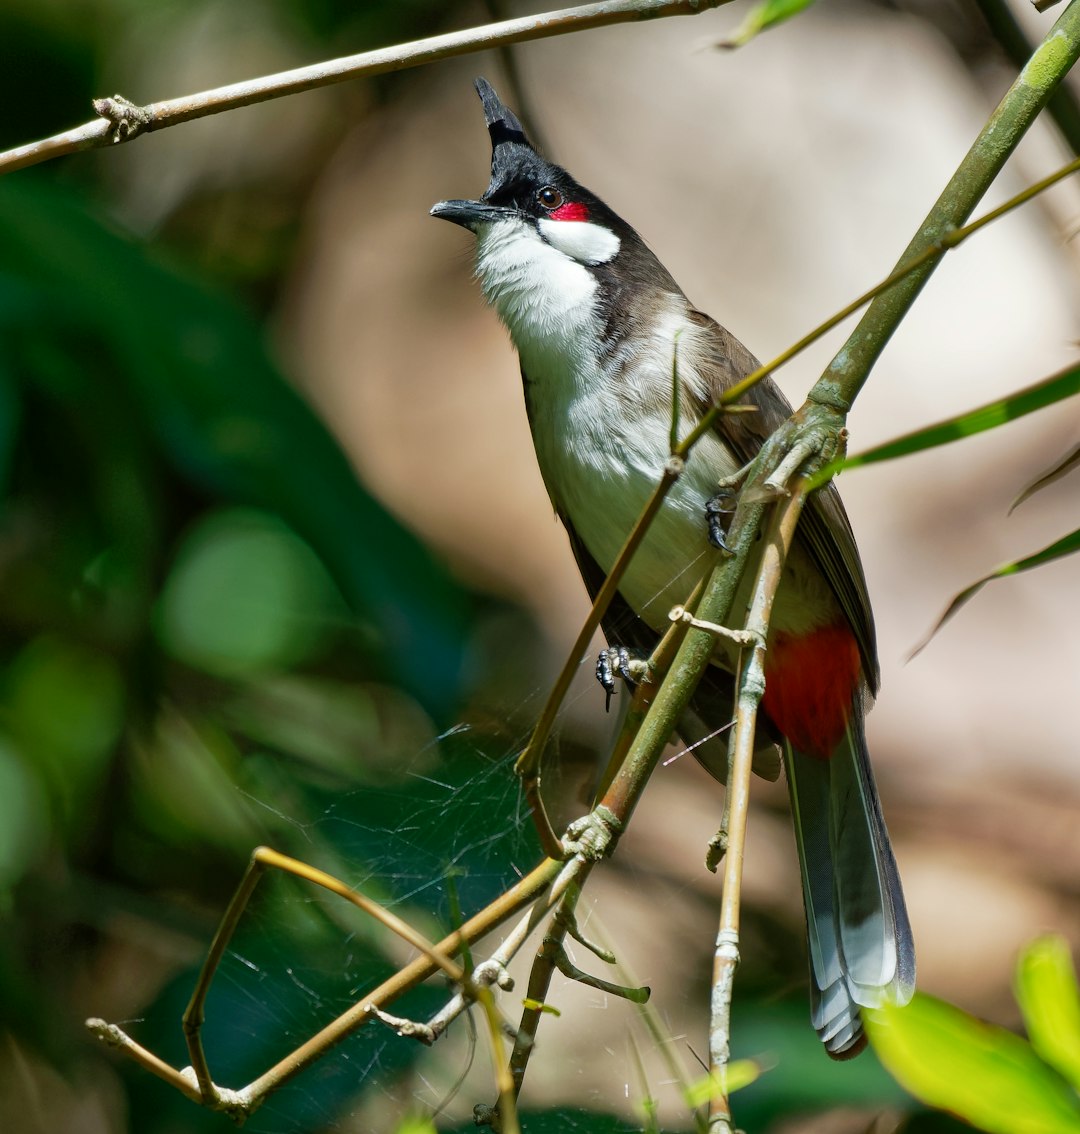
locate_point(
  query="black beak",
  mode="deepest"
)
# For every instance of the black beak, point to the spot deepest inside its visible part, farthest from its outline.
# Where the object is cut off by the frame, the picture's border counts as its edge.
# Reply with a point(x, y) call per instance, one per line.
point(469, 214)
point(510, 151)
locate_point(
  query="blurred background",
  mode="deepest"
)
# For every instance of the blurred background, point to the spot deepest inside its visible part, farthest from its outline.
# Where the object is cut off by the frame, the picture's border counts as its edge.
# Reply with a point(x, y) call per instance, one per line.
point(278, 566)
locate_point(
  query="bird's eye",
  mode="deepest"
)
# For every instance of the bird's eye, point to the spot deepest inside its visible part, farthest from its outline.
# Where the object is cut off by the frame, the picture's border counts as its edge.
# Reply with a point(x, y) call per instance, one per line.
point(550, 197)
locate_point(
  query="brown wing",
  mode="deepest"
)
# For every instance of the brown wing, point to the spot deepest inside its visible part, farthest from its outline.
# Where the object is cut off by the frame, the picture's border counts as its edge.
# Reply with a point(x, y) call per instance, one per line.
point(824, 530)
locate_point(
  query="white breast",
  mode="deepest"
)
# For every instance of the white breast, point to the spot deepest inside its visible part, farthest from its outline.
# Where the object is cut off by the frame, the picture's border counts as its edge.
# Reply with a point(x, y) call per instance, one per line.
point(601, 439)
point(601, 442)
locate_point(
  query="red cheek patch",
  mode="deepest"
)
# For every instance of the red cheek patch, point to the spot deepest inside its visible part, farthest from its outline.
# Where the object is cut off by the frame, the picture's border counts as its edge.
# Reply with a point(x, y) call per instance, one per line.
point(572, 210)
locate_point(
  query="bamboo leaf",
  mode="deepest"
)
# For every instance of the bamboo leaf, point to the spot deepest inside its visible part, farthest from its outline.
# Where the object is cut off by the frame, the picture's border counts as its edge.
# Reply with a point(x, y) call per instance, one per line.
point(1064, 546)
point(982, 1073)
point(764, 15)
point(1050, 390)
point(1047, 993)
point(737, 1075)
point(1066, 465)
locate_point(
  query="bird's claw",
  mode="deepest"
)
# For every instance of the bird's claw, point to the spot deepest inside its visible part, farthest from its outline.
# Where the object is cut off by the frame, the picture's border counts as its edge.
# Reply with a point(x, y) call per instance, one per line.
point(718, 510)
point(618, 661)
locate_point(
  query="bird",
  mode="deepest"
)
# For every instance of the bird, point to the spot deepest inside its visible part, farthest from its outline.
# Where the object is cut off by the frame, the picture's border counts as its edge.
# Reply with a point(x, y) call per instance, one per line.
point(599, 324)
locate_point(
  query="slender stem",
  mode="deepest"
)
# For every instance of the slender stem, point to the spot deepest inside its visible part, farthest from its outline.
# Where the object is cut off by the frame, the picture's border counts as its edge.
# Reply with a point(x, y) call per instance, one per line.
point(113, 1036)
point(195, 1013)
point(751, 688)
point(262, 859)
point(1006, 29)
point(121, 122)
point(659, 663)
point(543, 969)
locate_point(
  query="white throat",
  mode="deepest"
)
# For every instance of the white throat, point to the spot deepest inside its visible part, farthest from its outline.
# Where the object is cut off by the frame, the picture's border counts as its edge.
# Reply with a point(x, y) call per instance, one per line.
point(545, 297)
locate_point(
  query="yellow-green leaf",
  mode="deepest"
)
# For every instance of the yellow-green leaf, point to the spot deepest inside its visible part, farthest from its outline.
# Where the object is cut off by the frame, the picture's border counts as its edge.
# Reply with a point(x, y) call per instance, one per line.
point(1050, 390)
point(417, 1124)
point(764, 15)
point(739, 1074)
point(982, 1073)
point(1047, 992)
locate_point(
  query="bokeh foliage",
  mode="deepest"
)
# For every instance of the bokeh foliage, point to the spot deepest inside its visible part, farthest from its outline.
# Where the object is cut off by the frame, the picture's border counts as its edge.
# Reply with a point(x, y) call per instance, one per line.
point(212, 636)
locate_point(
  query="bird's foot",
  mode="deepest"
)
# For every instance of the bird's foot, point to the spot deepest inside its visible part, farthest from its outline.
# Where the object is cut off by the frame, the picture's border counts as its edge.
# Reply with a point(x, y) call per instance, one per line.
point(718, 512)
point(618, 661)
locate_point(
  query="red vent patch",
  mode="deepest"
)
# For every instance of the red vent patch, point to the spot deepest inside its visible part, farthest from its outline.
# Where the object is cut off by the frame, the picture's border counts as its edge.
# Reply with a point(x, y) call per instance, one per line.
point(810, 682)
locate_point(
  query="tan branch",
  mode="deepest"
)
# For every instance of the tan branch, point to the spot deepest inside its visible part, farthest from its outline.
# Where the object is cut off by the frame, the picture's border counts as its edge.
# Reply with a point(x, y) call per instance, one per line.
point(121, 120)
point(751, 687)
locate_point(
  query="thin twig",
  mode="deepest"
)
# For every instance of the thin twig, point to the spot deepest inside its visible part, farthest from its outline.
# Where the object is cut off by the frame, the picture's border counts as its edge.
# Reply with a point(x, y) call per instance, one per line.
point(120, 120)
point(263, 859)
point(751, 688)
point(245, 1101)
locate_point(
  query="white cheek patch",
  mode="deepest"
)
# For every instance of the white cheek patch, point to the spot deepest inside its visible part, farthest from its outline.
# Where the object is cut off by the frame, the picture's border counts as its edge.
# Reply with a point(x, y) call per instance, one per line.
point(583, 241)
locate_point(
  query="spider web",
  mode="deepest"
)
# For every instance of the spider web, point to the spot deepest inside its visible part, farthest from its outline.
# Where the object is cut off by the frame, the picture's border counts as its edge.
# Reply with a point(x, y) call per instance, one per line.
point(434, 828)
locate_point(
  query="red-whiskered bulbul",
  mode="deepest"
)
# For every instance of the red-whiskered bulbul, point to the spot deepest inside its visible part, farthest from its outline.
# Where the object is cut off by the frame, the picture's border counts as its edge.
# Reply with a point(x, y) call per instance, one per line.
point(594, 316)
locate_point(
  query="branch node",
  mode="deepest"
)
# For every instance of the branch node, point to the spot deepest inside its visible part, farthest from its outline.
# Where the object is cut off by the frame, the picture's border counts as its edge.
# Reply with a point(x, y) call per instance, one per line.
point(109, 1034)
point(717, 848)
point(593, 836)
point(829, 393)
point(493, 972)
point(740, 637)
point(484, 1115)
point(222, 1099)
point(126, 120)
point(673, 466)
point(727, 945)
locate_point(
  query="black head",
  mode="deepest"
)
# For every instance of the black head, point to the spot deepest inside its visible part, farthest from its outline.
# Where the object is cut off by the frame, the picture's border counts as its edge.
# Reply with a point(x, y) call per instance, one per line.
point(523, 183)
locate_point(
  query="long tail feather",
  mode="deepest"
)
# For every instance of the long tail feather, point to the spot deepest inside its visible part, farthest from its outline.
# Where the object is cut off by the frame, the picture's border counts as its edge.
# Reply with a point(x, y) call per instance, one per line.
point(859, 937)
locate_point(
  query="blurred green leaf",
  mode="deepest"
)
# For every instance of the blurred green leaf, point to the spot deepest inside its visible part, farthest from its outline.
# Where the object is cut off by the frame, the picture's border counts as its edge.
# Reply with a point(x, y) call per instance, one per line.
point(764, 15)
point(1062, 547)
point(417, 1125)
point(192, 371)
point(1060, 468)
point(183, 784)
point(245, 596)
point(352, 731)
point(986, 1075)
point(739, 1074)
point(65, 707)
point(1046, 991)
point(24, 816)
point(1045, 393)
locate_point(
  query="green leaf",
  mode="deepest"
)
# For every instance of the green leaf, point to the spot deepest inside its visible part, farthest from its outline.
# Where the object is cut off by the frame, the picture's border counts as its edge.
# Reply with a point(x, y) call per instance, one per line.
point(982, 1073)
point(764, 15)
point(741, 1073)
point(417, 1124)
point(191, 375)
point(1060, 468)
point(245, 596)
point(1047, 992)
point(1064, 546)
point(1053, 389)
